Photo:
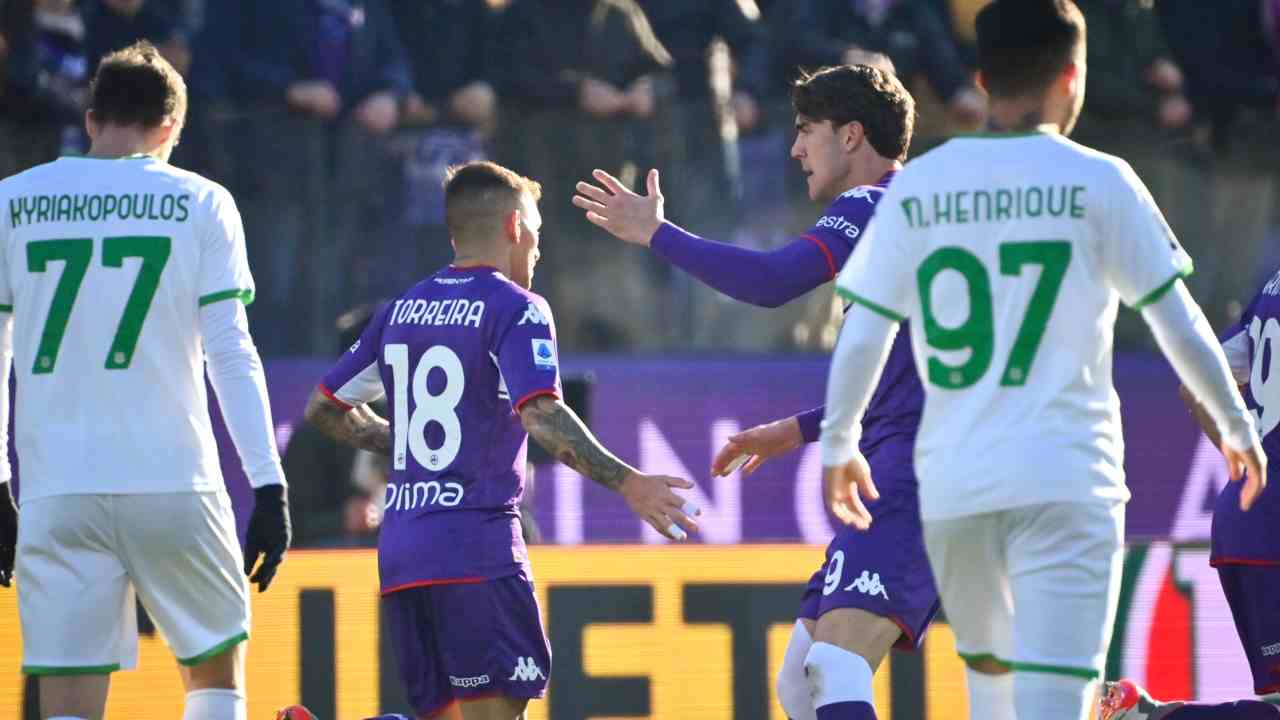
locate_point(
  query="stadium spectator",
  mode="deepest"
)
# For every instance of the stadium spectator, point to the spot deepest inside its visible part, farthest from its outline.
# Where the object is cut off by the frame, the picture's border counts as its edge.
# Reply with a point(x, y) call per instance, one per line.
point(1229, 59)
point(446, 119)
point(114, 24)
point(912, 33)
point(46, 78)
point(577, 80)
point(321, 83)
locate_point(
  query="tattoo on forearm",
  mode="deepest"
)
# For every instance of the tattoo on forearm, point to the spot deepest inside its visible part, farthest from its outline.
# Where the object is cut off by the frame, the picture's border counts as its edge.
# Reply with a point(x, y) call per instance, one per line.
point(360, 429)
point(562, 433)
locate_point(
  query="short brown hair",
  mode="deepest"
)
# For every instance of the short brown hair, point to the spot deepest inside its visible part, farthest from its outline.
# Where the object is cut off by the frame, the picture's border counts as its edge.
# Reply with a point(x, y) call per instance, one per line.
point(1023, 45)
point(863, 94)
point(479, 194)
point(137, 86)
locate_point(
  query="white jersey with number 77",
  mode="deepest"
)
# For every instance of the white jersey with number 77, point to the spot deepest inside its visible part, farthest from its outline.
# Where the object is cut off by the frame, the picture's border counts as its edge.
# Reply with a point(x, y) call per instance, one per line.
point(105, 265)
point(1010, 255)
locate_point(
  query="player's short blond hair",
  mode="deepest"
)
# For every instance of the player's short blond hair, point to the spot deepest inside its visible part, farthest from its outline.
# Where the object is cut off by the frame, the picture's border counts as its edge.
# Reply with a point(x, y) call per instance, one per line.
point(477, 195)
point(136, 86)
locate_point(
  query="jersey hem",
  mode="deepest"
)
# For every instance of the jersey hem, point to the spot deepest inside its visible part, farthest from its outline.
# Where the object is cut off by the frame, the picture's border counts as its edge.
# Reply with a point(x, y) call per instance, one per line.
point(549, 392)
point(216, 649)
point(873, 307)
point(334, 398)
point(57, 670)
point(243, 295)
point(826, 253)
point(1155, 295)
point(1219, 561)
point(472, 580)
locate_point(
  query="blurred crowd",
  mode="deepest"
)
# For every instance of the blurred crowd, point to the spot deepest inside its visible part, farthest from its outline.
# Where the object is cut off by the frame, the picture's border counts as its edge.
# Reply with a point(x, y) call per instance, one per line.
point(332, 122)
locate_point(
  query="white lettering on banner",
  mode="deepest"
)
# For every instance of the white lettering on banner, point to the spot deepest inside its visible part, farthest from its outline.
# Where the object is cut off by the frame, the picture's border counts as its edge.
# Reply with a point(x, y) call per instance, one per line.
point(568, 515)
point(1213, 629)
point(721, 519)
point(1205, 479)
point(810, 506)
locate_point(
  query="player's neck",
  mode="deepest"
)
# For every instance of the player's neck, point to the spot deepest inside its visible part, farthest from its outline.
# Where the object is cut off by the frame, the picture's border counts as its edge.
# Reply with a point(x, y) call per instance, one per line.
point(119, 143)
point(870, 172)
point(502, 265)
point(1019, 116)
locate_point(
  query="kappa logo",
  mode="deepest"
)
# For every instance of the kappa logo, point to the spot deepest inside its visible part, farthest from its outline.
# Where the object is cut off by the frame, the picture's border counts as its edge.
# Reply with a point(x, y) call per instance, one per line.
point(1271, 650)
point(863, 192)
point(356, 346)
point(527, 670)
point(533, 315)
point(469, 682)
point(868, 583)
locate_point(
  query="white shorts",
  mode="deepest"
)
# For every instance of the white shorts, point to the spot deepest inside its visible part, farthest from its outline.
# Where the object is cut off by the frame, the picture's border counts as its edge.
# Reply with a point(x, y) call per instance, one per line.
point(82, 558)
point(1034, 587)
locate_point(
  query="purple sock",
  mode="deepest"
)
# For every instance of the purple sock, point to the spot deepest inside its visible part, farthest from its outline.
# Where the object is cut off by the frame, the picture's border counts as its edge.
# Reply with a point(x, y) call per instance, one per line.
point(1239, 710)
point(847, 711)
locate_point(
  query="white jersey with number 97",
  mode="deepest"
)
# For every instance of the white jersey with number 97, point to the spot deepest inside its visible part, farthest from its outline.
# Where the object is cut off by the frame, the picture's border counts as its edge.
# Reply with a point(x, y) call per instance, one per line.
point(105, 265)
point(1010, 255)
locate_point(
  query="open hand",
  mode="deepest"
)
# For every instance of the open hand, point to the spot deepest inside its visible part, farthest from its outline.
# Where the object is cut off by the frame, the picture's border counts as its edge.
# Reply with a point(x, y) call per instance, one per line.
point(1252, 464)
point(629, 217)
point(758, 443)
point(650, 497)
point(844, 486)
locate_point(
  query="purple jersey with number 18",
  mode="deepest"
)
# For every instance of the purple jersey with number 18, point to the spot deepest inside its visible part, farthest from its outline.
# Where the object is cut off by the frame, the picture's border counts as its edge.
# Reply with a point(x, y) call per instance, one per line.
point(457, 355)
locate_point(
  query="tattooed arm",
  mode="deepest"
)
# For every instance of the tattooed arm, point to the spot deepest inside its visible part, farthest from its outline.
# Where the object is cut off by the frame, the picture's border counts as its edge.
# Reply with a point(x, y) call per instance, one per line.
point(358, 427)
point(558, 429)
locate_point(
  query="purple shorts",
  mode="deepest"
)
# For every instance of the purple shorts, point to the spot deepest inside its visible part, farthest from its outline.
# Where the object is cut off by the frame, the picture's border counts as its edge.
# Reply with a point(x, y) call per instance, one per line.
point(1253, 591)
point(467, 641)
point(883, 571)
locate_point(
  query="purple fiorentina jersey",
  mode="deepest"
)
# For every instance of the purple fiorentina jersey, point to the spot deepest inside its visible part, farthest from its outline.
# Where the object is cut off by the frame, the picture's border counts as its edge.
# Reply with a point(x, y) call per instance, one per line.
point(457, 355)
point(893, 416)
point(1251, 538)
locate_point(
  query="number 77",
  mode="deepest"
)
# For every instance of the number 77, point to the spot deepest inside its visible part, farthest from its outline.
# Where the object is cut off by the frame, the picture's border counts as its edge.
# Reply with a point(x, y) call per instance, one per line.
point(75, 253)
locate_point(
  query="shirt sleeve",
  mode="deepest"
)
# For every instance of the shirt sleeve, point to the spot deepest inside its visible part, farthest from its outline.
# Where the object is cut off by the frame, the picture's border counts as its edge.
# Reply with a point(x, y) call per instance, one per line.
point(224, 263)
point(836, 233)
point(879, 273)
point(6, 288)
point(526, 352)
point(355, 379)
point(1142, 258)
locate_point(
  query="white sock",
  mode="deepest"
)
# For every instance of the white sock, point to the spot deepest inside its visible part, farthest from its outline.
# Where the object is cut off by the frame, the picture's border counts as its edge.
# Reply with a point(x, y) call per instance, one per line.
point(1049, 696)
point(990, 696)
point(792, 688)
point(836, 675)
point(215, 704)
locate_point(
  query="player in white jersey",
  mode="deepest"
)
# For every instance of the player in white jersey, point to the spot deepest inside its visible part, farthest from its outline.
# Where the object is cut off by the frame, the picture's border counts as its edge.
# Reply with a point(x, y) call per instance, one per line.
point(120, 277)
point(1010, 254)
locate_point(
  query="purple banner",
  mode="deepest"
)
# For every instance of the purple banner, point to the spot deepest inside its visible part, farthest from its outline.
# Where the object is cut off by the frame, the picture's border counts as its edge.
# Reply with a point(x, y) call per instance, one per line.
point(671, 415)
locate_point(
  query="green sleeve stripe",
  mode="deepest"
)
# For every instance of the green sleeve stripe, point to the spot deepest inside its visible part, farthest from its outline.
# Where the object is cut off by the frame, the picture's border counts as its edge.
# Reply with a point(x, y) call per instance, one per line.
point(70, 670)
point(873, 307)
point(981, 658)
point(244, 296)
point(1076, 672)
point(1159, 292)
point(6, 308)
point(216, 650)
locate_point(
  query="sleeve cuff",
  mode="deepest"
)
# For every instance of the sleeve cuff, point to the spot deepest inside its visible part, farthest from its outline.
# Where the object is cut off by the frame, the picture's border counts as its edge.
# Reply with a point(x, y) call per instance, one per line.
point(245, 296)
point(839, 446)
point(1241, 438)
point(667, 234)
point(544, 392)
point(810, 422)
point(324, 390)
point(271, 476)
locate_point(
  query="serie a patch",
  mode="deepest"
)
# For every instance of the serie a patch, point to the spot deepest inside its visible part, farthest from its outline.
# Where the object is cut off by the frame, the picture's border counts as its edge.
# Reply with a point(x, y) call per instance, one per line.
point(544, 354)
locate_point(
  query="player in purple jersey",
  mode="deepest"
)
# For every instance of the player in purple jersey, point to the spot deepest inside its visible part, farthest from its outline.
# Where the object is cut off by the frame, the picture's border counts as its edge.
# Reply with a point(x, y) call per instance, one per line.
point(468, 361)
point(1245, 545)
point(875, 589)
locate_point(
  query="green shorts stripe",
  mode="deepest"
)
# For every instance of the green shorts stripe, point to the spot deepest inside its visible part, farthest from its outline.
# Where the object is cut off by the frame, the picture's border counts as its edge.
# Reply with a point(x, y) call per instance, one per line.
point(70, 669)
point(215, 650)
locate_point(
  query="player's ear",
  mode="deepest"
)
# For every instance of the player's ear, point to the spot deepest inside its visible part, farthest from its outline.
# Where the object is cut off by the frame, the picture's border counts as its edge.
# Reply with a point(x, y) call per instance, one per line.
point(1069, 77)
point(851, 135)
point(981, 80)
point(91, 124)
point(511, 226)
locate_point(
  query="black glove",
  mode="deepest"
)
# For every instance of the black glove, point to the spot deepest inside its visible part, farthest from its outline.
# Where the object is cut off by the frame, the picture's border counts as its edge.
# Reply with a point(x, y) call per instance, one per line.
point(8, 534)
point(269, 534)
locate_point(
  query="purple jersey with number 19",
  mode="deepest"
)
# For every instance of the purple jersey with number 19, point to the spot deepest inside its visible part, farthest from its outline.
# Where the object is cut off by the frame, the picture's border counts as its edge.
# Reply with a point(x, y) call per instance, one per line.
point(457, 355)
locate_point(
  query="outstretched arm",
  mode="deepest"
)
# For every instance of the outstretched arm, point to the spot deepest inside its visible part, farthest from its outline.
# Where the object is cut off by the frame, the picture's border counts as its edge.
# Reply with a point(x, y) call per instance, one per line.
point(358, 427)
point(767, 279)
point(558, 429)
